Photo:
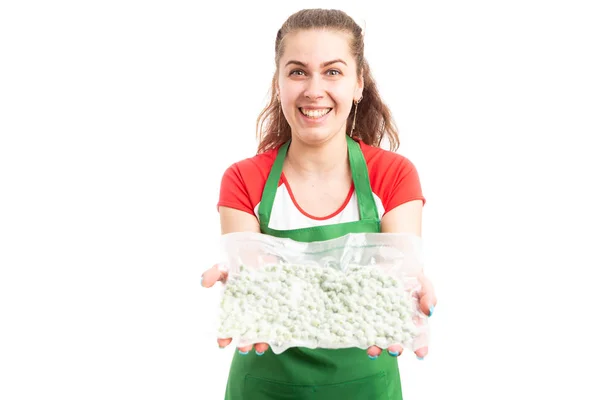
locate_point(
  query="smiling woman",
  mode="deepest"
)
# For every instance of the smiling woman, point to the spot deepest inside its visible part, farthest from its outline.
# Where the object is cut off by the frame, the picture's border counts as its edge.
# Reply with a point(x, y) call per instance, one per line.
point(316, 96)
point(337, 42)
point(320, 174)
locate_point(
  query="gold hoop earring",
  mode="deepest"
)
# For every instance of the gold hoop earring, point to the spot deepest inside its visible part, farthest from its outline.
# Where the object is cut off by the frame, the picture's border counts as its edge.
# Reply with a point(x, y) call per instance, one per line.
point(279, 111)
point(355, 112)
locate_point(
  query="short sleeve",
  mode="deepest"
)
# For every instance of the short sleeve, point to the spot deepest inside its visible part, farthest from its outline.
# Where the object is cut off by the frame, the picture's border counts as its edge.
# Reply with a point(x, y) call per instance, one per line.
point(393, 177)
point(242, 183)
point(233, 191)
point(405, 185)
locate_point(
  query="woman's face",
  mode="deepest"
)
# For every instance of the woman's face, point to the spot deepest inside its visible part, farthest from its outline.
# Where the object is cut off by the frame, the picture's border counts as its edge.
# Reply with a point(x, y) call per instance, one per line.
point(317, 84)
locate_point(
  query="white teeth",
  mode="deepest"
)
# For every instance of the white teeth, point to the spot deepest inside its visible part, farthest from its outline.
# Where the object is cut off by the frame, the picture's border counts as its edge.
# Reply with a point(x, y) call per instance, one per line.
point(315, 113)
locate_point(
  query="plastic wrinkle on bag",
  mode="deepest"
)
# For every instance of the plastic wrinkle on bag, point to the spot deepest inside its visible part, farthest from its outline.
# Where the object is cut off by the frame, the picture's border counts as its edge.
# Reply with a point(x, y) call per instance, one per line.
point(358, 290)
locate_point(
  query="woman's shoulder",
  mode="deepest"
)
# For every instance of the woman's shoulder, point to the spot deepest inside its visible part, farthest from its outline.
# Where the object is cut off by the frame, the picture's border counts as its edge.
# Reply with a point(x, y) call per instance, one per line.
point(243, 181)
point(393, 177)
point(257, 165)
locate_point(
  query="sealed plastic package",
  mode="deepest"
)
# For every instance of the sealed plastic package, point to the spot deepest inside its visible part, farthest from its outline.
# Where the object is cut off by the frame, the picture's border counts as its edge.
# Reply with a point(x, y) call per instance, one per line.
point(358, 290)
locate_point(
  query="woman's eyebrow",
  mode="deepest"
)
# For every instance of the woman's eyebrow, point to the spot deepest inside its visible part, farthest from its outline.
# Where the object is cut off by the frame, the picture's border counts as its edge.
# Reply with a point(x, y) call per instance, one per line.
point(325, 64)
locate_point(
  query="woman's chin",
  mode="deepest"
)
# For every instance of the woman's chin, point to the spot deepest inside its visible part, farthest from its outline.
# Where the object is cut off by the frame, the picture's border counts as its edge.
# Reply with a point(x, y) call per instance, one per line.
point(314, 137)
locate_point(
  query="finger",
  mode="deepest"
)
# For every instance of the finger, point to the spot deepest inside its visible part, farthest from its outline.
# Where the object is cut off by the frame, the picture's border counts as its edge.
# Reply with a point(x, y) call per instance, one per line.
point(427, 305)
point(260, 348)
point(245, 349)
point(422, 352)
point(373, 352)
point(213, 275)
point(395, 350)
point(427, 299)
point(223, 342)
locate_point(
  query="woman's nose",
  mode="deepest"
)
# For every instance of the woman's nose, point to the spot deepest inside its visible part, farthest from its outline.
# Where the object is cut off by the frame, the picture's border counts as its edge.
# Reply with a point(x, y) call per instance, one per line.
point(314, 88)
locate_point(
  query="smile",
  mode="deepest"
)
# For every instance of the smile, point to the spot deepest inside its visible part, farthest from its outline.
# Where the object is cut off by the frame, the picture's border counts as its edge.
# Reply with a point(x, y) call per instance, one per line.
point(315, 113)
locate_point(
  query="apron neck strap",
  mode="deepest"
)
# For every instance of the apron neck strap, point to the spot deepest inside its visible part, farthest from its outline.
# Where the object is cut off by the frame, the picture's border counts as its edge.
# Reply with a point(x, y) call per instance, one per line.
point(362, 185)
point(360, 176)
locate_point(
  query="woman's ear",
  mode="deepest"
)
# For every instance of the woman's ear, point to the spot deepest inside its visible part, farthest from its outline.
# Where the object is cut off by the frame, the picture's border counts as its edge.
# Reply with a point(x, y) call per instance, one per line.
point(358, 93)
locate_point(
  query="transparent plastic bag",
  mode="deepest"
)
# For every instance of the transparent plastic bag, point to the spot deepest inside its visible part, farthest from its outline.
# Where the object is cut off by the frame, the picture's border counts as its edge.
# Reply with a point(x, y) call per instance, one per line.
point(358, 290)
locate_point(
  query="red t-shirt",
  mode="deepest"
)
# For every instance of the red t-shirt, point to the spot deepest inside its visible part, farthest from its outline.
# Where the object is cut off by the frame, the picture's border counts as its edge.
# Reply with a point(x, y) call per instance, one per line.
point(394, 181)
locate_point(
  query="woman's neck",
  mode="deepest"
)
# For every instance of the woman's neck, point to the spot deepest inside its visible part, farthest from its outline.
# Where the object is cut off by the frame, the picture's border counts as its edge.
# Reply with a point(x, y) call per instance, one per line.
point(326, 159)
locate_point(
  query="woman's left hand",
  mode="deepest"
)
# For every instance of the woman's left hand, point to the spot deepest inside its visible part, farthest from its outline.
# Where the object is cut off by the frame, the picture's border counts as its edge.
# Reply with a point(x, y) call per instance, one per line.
point(427, 302)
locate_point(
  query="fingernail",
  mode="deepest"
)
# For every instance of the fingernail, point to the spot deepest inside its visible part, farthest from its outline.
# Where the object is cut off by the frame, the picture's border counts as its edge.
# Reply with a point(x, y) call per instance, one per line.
point(430, 310)
point(373, 357)
point(394, 353)
point(242, 352)
point(420, 358)
point(260, 353)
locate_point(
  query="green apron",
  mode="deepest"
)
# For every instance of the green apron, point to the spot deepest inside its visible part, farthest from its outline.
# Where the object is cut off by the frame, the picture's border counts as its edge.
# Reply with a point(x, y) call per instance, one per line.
point(317, 374)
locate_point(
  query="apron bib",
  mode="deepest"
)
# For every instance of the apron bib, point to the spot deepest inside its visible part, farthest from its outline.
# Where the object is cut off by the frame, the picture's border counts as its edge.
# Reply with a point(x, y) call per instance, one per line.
point(317, 374)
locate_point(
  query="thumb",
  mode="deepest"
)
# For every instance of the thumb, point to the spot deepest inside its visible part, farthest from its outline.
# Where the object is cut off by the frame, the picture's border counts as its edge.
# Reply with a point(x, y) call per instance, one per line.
point(212, 276)
point(427, 298)
point(427, 304)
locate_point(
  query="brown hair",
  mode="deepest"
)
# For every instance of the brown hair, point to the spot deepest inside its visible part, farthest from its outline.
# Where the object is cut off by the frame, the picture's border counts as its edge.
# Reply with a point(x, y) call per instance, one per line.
point(373, 121)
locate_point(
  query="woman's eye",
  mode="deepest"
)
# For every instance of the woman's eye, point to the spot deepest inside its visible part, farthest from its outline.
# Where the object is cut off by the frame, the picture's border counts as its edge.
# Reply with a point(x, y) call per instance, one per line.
point(297, 72)
point(333, 72)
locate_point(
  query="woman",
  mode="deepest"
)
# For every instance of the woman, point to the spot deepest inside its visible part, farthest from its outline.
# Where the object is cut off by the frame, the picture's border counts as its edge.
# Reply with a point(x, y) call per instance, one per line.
point(320, 174)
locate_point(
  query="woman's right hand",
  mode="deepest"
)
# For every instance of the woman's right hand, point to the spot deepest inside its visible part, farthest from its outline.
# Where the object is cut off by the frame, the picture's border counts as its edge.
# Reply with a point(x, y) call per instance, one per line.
point(209, 278)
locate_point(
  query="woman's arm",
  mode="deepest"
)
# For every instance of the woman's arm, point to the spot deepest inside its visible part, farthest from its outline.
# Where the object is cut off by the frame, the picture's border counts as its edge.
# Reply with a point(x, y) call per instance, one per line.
point(407, 218)
point(233, 220)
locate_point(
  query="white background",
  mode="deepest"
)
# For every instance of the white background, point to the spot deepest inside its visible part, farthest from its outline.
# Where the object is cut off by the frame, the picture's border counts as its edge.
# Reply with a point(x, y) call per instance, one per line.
point(118, 119)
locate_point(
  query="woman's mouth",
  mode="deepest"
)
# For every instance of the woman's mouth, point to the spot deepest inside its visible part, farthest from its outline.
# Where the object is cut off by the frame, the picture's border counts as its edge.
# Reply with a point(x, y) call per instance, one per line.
point(313, 113)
